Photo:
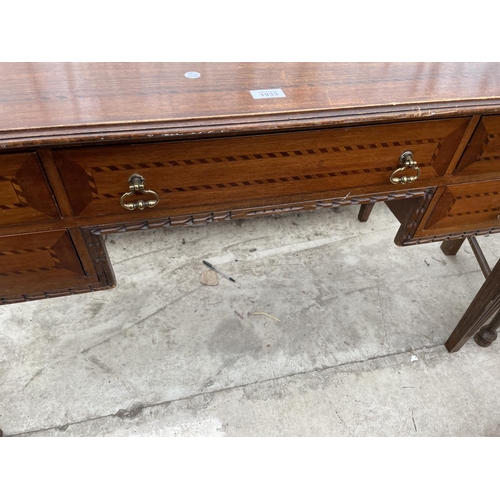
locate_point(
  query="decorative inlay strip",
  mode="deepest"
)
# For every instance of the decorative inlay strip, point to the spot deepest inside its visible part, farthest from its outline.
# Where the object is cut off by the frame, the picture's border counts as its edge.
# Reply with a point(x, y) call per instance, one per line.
point(436, 152)
point(241, 183)
point(27, 271)
point(476, 195)
point(486, 210)
point(257, 182)
point(55, 258)
point(25, 251)
point(470, 197)
point(12, 206)
point(488, 158)
point(17, 189)
point(480, 156)
point(274, 181)
point(276, 154)
point(92, 184)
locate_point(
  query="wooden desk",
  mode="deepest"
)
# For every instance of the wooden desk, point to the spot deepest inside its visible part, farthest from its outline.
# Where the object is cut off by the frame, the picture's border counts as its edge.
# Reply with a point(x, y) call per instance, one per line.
point(91, 149)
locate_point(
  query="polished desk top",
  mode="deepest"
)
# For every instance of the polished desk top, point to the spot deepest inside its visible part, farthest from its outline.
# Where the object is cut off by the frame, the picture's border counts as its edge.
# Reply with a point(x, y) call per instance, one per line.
point(62, 103)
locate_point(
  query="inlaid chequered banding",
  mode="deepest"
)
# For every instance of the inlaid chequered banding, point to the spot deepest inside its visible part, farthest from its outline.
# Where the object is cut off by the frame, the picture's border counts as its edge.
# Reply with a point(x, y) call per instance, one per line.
point(12, 206)
point(485, 144)
point(477, 195)
point(489, 158)
point(249, 182)
point(273, 155)
point(470, 197)
point(436, 152)
point(486, 210)
point(255, 182)
point(19, 193)
point(25, 251)
point(92, 184)
point(55, 258)
point(273, 181)
point(26, 271)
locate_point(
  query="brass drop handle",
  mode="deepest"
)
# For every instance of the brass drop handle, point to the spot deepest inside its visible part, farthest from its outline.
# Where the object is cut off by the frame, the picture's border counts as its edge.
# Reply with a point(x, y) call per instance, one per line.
point(406, 161)
point(136, 185)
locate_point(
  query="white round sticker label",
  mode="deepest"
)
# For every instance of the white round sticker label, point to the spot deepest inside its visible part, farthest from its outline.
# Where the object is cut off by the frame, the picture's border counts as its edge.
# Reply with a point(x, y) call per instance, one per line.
point(192, 74)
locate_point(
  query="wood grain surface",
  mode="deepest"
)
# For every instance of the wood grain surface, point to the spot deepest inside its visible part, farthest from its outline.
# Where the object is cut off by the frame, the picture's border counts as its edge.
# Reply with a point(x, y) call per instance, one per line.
point(239, 172)
point(52, 103)
point(482, 154)
point(38, 262)
point(463, 207)
point(25, 196)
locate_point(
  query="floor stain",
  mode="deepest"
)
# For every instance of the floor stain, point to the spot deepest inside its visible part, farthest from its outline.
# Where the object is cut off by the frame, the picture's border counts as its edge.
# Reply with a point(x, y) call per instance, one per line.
point(231, 337)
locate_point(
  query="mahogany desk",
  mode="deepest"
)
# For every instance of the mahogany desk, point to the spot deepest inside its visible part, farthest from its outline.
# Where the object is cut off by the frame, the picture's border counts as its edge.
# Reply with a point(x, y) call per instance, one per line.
point(91, 149)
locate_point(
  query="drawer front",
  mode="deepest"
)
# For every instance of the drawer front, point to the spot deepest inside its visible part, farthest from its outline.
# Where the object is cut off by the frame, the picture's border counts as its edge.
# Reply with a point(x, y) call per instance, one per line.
point(239, 172)
point(482, 155)
point(463, 207)
point(38, 263)
point(24, 194)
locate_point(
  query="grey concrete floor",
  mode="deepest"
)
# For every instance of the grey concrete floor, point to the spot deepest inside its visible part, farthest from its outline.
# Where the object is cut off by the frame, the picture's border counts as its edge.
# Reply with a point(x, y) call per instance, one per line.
point(357, 351)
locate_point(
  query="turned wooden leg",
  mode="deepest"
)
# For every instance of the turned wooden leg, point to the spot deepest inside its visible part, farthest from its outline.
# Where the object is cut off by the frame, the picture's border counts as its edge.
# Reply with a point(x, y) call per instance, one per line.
point(451, 247)
point(365, 211)
point(488, 334)
point(485, 303)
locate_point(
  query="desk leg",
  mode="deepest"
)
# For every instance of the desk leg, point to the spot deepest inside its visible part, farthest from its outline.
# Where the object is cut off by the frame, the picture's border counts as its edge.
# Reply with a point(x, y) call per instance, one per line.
point(488, 334)
point(365, 211)
point(451, 247)
point(484, 305)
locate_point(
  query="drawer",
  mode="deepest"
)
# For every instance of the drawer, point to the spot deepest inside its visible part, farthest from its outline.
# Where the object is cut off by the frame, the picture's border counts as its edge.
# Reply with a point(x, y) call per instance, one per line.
point(463, 207)
point(38, 263)
point(24, 194)
point(229, 173)
point(482, 154)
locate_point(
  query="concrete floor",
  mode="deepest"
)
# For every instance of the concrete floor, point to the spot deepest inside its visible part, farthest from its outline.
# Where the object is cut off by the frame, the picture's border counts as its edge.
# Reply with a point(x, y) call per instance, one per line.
point(357, 351)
